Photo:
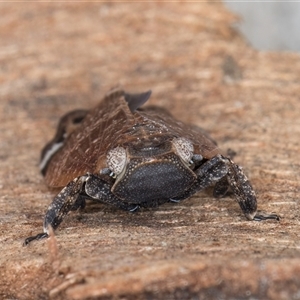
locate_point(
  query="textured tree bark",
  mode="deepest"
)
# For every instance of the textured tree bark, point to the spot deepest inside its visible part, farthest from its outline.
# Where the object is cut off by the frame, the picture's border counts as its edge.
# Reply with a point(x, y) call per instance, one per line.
point(55, 58)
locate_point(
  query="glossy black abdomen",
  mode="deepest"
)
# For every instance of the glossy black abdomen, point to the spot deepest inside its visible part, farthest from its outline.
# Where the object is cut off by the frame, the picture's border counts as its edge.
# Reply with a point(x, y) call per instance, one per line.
point(154, 180)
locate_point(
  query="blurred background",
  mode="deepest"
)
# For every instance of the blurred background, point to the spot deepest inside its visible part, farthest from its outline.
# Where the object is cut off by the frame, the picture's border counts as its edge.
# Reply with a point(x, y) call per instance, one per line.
point(270, 25)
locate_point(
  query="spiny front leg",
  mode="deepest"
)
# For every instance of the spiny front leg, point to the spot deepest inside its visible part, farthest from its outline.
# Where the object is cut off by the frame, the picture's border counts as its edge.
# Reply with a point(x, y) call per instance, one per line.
point(244, 193)
point(73, 196)
point(222, 188)
point(227, 176)
point(64, 202)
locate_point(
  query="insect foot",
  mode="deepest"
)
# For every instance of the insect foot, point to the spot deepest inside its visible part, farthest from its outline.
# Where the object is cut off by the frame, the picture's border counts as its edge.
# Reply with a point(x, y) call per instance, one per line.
point(244, 193)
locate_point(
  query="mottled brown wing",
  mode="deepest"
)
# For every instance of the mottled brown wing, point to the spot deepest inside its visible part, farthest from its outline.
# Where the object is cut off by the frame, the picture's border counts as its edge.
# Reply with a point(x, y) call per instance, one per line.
point(203, 143)
point(84, 151)
point(112, 124)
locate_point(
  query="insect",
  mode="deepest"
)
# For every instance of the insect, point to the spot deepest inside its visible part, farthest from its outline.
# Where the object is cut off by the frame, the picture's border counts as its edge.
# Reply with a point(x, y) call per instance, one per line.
point(128, 156)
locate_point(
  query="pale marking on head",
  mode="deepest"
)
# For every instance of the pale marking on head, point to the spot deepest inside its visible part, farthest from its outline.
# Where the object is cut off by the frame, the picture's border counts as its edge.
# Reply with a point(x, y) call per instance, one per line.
point(54, 148)
point(184, 148)
point(116, 160)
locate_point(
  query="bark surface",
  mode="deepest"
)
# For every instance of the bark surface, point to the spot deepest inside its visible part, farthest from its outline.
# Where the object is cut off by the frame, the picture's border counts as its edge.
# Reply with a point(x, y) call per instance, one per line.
point(59, 57)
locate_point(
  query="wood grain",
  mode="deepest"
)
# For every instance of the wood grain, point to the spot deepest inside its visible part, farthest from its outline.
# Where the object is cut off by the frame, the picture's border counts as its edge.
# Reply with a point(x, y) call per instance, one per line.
point(59, 57)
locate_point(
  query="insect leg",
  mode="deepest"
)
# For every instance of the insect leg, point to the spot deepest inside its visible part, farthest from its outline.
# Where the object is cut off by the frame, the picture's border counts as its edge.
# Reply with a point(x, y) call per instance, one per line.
point(64, 202)
point(244, 193)
point(207, 174)
point(222, 188)
point(80, 202)
point(98, 189)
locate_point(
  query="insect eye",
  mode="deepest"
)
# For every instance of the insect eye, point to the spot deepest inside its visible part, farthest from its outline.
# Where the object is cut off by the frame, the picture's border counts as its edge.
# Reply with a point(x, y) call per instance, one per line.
point(184, 148)
point(116, 160)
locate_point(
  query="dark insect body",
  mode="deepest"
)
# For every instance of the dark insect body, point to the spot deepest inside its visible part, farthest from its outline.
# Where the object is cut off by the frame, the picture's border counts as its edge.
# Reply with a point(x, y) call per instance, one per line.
point(128, 156)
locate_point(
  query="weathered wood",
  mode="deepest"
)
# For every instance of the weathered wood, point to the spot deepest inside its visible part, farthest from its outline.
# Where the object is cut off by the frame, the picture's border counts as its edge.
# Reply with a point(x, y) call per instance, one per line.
point(55, 58)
